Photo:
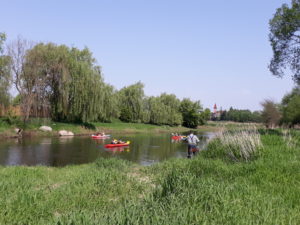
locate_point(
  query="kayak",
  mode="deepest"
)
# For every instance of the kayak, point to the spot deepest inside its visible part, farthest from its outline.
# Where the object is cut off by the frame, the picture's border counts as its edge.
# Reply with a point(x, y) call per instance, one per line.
point(117, 145)
point(100, 136)
point(178, 137)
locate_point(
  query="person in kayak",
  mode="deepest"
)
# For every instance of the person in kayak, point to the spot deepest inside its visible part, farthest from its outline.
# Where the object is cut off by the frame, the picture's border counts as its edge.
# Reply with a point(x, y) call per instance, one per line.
point(120, 142)
point(114, 141)
point(192, 144)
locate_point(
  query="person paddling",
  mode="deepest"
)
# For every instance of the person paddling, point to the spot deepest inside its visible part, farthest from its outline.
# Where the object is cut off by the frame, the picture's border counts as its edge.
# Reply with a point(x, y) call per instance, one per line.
point(192, 144)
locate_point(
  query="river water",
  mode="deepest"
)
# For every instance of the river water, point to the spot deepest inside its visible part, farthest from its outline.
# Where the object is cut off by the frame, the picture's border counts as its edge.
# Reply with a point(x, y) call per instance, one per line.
point(144, 149)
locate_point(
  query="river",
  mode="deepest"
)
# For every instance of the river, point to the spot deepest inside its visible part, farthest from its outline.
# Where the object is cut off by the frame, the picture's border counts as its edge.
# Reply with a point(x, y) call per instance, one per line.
point(144, 149)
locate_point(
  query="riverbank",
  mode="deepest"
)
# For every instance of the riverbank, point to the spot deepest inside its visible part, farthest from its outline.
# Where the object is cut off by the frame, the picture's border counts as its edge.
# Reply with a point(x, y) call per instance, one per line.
point(209, 189)
point(117, 127)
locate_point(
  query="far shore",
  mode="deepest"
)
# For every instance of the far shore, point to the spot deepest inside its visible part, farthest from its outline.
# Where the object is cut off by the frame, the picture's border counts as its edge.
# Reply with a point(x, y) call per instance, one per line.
point(109, 128)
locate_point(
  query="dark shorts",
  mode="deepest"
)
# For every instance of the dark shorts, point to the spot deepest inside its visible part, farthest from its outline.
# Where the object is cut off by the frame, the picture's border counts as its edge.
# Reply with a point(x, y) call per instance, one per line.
point(192, 149)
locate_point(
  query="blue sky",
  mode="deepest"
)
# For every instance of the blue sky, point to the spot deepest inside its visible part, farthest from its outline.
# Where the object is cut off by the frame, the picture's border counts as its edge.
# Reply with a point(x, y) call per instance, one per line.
point(212, 51)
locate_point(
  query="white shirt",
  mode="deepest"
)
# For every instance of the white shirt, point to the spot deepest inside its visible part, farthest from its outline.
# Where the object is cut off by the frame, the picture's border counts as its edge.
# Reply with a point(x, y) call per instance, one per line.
point(192, 139)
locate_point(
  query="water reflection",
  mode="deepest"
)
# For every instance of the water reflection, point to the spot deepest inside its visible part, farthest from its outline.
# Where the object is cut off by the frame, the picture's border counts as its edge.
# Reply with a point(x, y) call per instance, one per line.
point(144, 149)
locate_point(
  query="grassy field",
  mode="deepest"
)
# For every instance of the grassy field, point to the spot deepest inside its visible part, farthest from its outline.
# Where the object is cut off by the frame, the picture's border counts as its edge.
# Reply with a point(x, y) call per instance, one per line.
point(212, 188)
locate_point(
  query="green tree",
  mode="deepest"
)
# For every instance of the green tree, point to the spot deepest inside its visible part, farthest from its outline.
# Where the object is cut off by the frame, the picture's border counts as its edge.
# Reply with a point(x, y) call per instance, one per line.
point(256, 117)
point(5, 75)
point(291, 107)
point(164, 109)
point(69, 83)
point(172, 105)
point(190, 113)
point(205, 115)
point(242, 116)
point(285, 40)
point(131, 103)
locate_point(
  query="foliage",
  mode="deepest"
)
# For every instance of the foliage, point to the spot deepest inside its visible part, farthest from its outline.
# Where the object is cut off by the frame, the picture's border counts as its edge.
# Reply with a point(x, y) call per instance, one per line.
point(205, 116)
point(190, 113)
point(131, 102)
point(12, 119)
point(238, 115)
point(270, 115)
point(66, 84)
point(285, 40)
point(5, 75)
point(291, 107)
point(70, 83)
point(16, 100)
point(164, 110)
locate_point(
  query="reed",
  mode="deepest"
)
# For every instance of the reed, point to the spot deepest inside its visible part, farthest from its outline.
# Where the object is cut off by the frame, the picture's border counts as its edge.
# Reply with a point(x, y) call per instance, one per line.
point(240, 144)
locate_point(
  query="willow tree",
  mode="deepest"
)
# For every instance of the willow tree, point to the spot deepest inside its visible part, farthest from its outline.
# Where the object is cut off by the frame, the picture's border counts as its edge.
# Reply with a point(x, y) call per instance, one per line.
point(172, 104)
point(45, 70)
point(158, 111)
point(164, 110)
point(91, 99)
point(5, 76)
point(131, 102)
point(71, 83)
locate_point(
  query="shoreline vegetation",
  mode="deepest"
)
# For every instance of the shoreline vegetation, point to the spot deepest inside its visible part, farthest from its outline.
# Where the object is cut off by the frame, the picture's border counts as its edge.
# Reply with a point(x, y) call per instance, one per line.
point(32, 129)
point(252, 178)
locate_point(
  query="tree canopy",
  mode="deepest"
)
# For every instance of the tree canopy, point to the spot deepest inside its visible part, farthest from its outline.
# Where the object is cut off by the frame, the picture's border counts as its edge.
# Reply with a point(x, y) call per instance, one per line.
point(66, 84)
point(291, 107)
point(131, 102)
point(5, 80)
point(164, 109)
point(190, 113)
point(285, 40)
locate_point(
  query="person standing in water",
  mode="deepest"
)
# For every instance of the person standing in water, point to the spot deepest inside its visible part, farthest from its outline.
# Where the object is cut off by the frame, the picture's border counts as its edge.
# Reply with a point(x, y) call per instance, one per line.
point(192, 144)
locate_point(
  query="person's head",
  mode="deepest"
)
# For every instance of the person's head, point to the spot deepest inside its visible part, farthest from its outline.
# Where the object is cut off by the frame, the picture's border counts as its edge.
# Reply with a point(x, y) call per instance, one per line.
point(191, 133)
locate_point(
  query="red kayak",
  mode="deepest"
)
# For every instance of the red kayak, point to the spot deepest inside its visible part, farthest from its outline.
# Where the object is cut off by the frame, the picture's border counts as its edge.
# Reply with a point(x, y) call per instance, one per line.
point(177, 137)
point(100, 136)
point(117, 145)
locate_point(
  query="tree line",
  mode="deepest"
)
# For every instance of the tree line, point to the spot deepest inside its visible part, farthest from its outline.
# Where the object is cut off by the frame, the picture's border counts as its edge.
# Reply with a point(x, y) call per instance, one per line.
point(66, 84)
point(286, 113)
point(239, 115)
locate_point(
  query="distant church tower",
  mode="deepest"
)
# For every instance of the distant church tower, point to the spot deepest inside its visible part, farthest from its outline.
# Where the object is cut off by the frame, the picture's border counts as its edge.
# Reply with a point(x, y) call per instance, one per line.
point(215, 108)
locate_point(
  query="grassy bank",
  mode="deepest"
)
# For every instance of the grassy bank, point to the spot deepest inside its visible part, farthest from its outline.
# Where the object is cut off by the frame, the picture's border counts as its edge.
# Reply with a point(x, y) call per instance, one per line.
point(32, 128)
point(212, 188)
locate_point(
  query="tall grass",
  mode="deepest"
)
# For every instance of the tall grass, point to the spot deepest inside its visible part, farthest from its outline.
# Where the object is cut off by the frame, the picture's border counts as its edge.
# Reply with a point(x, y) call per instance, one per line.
point(240, 144)
point(204, 190)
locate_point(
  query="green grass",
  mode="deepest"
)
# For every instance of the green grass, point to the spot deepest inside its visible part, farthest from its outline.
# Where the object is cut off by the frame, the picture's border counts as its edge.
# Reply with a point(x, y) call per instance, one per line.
point(4, 126)
point(32, 128)
point(118, 126)
point(203, 190)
